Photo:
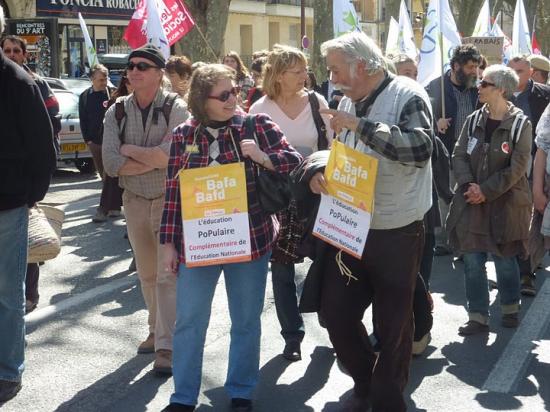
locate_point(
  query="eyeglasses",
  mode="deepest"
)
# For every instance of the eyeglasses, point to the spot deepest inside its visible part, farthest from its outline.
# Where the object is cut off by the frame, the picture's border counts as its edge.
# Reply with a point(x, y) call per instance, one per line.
point(483, 84)
point(141, 66)
point(224, 96)
point(14, 51)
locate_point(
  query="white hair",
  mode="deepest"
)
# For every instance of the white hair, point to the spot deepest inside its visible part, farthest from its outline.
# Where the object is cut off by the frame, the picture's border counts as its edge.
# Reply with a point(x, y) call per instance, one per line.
point(2, 20)
point(357, 46)
point(503, 77)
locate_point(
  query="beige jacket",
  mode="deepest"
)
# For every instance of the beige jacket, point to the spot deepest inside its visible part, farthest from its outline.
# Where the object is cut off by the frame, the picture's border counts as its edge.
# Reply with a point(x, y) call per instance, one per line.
point(149, 185)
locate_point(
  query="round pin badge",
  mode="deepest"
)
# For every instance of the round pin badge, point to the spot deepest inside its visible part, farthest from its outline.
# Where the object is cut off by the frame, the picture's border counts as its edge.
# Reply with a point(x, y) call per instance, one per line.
point(505, 147)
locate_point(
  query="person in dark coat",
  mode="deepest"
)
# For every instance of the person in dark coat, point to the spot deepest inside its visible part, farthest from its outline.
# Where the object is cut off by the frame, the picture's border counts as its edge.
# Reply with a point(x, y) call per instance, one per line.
point(15, 48)
point(27, 161)
point(532, 98)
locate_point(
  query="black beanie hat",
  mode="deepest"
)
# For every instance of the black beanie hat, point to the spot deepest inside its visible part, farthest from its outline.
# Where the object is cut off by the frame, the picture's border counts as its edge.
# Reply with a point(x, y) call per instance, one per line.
point(150, 52)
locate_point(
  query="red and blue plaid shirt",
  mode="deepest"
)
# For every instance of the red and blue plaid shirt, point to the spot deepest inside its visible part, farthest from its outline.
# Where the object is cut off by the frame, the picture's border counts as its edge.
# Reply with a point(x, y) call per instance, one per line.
point(263, 227)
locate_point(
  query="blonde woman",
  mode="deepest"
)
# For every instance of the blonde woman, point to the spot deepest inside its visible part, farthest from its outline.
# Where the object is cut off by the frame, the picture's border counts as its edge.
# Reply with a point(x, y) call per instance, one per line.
point(296, 112)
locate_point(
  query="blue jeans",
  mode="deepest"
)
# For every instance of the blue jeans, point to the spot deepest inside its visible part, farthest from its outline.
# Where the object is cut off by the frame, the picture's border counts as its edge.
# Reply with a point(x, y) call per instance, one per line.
point(13, 266)
point(286, 301)
point(245, 287)
point(477, 288)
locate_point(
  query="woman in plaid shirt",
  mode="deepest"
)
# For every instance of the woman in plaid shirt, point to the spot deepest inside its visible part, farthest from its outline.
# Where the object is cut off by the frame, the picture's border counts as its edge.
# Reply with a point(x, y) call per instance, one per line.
point(216, 135)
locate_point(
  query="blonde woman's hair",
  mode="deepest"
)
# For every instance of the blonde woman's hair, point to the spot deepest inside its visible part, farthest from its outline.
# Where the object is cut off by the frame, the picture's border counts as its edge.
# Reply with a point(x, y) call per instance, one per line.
point(203, 81)
point(281, 58)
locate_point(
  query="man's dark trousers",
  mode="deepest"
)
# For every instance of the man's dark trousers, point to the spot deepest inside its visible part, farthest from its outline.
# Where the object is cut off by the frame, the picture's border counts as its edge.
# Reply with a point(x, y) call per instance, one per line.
point(386, 277)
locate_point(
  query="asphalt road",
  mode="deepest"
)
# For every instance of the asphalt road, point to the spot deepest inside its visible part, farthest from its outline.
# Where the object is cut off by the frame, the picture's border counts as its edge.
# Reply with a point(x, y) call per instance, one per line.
point(82, 339)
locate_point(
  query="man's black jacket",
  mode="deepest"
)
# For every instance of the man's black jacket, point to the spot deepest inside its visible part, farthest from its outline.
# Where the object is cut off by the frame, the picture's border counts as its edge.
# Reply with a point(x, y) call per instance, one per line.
point(27, 154)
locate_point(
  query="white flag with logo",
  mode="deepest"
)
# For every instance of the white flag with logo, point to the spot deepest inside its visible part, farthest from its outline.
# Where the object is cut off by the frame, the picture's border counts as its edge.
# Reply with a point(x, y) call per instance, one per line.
point(392, 42)
point(90, 49)
point(344, 17)
point(521, 39)
point(155, 31)
point(440, 26)
point(496, 31)
point(483, 22)
point(406, 35)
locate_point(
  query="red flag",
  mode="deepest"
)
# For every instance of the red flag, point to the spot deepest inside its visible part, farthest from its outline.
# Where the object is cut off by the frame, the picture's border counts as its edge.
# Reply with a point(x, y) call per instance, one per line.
point(175, 18)
point(535, 47)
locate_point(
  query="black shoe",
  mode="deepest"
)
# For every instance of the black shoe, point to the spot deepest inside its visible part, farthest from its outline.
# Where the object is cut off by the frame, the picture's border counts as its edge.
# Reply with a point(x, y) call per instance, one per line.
point(241, 405)
point(8, 390)
point(527, 287)
point(179, 407)
point(473, 327)
point(292, 351)
point(442, 250)
point(356, 404)
point(510, 320)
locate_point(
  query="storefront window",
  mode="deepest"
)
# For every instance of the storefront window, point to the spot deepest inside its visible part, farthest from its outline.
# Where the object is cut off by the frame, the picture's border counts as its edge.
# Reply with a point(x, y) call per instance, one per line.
point(116, 43)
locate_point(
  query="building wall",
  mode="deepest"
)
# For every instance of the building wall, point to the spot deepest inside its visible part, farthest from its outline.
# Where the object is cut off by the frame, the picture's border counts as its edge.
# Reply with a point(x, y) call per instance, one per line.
point(254, 25)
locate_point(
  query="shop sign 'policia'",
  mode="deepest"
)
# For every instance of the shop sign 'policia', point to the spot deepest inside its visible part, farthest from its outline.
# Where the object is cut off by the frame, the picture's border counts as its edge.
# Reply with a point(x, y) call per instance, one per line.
point(111, 4)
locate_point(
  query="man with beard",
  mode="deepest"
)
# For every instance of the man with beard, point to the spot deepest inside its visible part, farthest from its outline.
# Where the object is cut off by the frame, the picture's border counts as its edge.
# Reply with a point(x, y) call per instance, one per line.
point(459, 89)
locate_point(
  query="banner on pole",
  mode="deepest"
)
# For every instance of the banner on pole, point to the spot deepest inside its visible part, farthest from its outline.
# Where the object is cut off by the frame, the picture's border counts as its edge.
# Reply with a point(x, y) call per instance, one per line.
point(174, 16)
point(490, 47)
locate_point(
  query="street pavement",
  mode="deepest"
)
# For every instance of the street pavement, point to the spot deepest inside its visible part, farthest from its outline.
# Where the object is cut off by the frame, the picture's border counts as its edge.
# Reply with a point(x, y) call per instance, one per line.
point(82, 339)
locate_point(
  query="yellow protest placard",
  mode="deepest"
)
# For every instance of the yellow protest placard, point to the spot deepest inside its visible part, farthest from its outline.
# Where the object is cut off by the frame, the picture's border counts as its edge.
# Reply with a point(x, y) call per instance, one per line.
point(344, 215)
point(215, 215)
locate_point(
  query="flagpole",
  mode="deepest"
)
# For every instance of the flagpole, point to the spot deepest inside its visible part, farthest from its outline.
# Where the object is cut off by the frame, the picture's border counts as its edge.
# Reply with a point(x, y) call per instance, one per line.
point(206, 41)
point(443, 114)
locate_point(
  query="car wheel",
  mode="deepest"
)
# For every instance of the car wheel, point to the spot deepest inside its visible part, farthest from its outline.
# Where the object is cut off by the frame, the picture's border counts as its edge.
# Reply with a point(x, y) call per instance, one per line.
point(85, 166)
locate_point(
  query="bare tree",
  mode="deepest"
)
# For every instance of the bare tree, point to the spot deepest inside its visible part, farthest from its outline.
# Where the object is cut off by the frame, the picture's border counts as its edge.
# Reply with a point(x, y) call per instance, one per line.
point(210, 17)
point(323, 30)
point(466, 12)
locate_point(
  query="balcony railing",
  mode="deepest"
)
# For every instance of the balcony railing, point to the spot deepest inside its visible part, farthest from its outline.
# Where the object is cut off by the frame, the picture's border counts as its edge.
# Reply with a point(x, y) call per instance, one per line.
point(309, 3)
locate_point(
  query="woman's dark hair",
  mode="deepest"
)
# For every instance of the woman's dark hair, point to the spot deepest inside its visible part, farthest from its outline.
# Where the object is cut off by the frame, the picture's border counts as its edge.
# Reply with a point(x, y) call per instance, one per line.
point(15, 39)
point(258, 64)
point(203, 81)
point(242, 72)
point(121, 90)
point(180, 65)
point(465, 53)
point(312, 79)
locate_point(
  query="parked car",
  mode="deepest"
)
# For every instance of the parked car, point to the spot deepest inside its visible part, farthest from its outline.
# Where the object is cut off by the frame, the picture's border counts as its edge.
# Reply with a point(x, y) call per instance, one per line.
point(73, 149)
point(77, 86)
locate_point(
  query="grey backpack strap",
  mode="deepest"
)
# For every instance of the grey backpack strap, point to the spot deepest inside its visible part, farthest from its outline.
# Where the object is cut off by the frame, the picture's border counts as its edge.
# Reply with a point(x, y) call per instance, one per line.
point(474, 119)
point(517, 127)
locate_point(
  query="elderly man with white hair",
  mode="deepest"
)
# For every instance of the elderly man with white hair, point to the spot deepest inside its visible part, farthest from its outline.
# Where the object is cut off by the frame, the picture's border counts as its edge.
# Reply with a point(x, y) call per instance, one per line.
point(389, 118)
point(27, 161)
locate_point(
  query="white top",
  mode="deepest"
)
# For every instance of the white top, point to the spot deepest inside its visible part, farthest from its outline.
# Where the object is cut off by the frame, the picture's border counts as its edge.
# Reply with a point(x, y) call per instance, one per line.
point(300, 132)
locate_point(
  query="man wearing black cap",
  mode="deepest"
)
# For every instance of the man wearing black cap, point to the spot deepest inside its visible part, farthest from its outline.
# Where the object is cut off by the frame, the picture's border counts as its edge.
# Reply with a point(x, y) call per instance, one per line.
point(136, 144)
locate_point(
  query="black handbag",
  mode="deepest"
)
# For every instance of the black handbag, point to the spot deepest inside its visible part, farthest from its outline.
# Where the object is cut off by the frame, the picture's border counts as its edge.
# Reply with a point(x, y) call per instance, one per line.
point(273, 188)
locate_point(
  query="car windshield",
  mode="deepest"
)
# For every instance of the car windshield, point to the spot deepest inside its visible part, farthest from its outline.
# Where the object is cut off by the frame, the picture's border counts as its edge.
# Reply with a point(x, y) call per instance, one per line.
point(68, 104)
point(77, 86)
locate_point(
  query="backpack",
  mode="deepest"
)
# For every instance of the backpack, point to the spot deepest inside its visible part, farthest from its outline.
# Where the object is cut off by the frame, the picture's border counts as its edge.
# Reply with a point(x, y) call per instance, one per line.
point(166, 109)
point(517, 125)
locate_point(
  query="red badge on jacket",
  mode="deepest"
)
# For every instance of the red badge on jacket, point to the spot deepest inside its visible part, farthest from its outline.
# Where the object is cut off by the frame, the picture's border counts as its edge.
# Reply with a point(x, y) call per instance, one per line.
point(505, 147)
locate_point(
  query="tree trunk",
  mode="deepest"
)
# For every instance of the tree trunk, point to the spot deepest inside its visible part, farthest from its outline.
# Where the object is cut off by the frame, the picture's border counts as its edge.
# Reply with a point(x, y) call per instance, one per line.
point(466, 12)
point(543, 26)
point(322, 31)
point(210, 17)
point(392, 9)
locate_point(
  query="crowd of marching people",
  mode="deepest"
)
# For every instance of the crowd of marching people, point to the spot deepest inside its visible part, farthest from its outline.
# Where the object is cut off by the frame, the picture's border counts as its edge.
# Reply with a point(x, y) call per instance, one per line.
point(462, 170)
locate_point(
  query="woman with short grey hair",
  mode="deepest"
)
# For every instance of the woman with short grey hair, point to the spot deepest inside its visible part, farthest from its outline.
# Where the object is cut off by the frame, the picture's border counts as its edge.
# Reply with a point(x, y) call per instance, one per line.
point(491, 209)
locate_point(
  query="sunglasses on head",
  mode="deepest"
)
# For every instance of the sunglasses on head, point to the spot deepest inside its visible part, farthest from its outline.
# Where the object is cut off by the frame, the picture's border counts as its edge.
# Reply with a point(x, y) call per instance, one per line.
point(141, 66)
point(224, 96)
point(485, 84)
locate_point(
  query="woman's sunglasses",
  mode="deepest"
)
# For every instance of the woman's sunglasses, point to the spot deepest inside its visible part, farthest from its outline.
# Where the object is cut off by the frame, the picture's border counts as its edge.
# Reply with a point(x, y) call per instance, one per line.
point(483, 84)
point(141, 66)
point(224, 96)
